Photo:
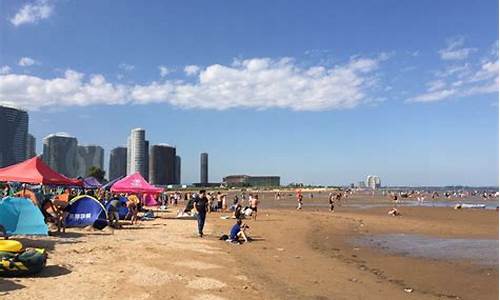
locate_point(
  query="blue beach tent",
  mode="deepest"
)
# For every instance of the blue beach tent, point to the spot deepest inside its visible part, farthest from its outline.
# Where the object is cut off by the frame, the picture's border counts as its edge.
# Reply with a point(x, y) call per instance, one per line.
point(21, 216)
point(84, 211)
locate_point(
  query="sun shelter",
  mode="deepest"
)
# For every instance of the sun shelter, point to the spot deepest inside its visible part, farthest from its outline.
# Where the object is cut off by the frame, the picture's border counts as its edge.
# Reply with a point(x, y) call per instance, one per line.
point(35, 171)
point(20, 216)
point(122, 209)
point(149, 200)
point(84, 211)
point(91, 183)
point(134, 183)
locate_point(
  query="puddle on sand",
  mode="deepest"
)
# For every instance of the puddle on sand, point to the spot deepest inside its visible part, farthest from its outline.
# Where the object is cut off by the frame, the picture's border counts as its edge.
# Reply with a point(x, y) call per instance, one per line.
point(483, 252)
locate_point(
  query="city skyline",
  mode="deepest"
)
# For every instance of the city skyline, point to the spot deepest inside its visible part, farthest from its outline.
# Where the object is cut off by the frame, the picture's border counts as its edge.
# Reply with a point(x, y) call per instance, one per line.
point(320, 94)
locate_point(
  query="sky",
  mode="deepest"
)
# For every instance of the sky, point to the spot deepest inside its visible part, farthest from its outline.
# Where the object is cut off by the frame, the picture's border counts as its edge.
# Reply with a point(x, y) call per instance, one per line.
point(318, 92)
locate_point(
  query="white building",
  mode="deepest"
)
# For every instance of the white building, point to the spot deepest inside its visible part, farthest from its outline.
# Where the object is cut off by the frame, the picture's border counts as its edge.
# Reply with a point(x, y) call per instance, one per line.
point(373, 182)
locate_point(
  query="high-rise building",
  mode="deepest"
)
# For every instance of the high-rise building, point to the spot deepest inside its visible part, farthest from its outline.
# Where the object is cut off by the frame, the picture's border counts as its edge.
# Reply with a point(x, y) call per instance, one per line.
point(30, 146)
point(89, 156)
point(177, 169)
point(136, 152)
point(204, 168)
point(13, 135)
point(146, 151)
point(162, 164)
point(117, 163)
point(60, 153)
point(373, 182)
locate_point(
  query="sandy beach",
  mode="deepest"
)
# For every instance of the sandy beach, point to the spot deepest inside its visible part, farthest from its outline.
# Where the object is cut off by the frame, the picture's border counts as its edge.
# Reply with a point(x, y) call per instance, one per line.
point(307, 254)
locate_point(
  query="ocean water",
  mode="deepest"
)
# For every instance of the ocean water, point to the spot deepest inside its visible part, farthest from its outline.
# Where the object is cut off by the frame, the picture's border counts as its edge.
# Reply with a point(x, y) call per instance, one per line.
point(480, 251)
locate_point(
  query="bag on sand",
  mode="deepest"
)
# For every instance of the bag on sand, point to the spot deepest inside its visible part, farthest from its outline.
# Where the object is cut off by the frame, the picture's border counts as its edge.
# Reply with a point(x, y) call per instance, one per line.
point(27, 262)
point(224, 237)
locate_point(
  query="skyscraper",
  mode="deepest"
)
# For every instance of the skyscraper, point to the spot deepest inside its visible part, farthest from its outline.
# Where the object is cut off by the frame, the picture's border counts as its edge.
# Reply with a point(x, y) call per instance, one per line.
point(60, 153)
point(177, 169)
point(89, 156)
point(137, 156)
point(162, 164)
point(204, 168)
point(30, 146)
point(373, 182)
point(13, 135)
point(117, 163)
point(146, 151)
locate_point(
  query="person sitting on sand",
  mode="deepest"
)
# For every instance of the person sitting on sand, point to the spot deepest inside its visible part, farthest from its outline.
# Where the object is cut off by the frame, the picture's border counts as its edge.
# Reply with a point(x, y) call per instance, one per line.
point(238, 232)
point(393, 212)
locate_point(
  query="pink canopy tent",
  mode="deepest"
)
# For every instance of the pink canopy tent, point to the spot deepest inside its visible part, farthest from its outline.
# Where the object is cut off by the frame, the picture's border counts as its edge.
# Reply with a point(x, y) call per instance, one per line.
point(134, 183)
point(149, 200)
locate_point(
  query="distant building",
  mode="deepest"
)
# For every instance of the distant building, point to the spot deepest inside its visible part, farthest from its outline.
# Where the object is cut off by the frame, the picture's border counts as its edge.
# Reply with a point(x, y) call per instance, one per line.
point(251, 181)
point(60, 153)
point(177, 169)
point(162, 165)
point(30, 146)
point(146, 151)
point(361, 184)
point(204, 168)
point(137, 153)
point(373, 182)
point(117, 163)
point(89, 156)
point(13, 135)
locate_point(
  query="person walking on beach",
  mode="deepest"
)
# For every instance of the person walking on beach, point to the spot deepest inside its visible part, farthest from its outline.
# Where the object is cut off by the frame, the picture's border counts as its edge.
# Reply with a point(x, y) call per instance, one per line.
point(201, 207)
point(299, 200)
point(331, 201)
point(254, 202)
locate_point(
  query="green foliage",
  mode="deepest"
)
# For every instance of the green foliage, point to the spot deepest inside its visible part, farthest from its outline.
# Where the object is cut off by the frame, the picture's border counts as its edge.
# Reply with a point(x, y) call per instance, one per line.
point(97, 173)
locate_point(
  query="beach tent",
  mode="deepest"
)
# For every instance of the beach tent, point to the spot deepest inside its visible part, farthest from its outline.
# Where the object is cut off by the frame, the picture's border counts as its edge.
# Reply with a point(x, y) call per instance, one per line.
point(21, 216)
point(134, 183)
point(91, 183)
point(35, 171)
point(149, 200)
point(84, 211)
point(108, 185)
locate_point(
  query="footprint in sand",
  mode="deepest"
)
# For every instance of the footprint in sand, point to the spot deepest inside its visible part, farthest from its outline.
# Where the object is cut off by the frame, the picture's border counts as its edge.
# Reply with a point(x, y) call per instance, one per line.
point(208, 297)
point(205, 283)
point(197, 265)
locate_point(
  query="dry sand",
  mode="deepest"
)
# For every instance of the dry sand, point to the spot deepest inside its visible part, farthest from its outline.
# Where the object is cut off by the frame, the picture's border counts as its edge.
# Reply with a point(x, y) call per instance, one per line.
point(305, 254)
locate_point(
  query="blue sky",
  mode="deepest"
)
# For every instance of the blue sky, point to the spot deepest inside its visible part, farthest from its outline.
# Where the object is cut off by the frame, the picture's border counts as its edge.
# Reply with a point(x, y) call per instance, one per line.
point(321, 92)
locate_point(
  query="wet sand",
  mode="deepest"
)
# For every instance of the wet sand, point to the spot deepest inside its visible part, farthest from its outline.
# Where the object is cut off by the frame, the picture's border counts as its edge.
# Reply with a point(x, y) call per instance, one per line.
point(308, 254)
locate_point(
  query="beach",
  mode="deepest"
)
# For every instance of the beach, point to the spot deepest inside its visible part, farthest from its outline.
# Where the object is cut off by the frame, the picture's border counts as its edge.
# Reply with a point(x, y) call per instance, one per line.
point(309, 254)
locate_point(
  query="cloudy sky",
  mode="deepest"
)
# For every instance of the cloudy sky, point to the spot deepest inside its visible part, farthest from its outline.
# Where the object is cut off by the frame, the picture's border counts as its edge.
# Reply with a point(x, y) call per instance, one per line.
point(322, 92)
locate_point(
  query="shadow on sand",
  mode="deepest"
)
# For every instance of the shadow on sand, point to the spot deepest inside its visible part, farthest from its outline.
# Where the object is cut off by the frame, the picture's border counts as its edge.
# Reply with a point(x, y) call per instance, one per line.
point(53, 271)
point(8, 284)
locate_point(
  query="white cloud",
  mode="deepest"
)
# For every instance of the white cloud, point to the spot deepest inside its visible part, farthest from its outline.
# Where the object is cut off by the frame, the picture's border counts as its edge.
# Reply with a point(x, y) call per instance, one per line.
point(164, 71)
point(126, 67)
point(4, 70)
point(26, 62)
point(33, 12)
point(257, 83)
point(191, 70)
point(464, 80)
point(455, 50)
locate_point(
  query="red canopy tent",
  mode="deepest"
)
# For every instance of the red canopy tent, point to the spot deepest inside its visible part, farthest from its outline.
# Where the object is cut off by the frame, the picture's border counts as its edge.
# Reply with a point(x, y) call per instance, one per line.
point(35, 171)
point(134, 183)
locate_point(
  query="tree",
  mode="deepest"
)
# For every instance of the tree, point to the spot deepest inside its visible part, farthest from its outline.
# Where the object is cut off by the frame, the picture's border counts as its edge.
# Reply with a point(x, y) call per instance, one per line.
point(97, 173)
